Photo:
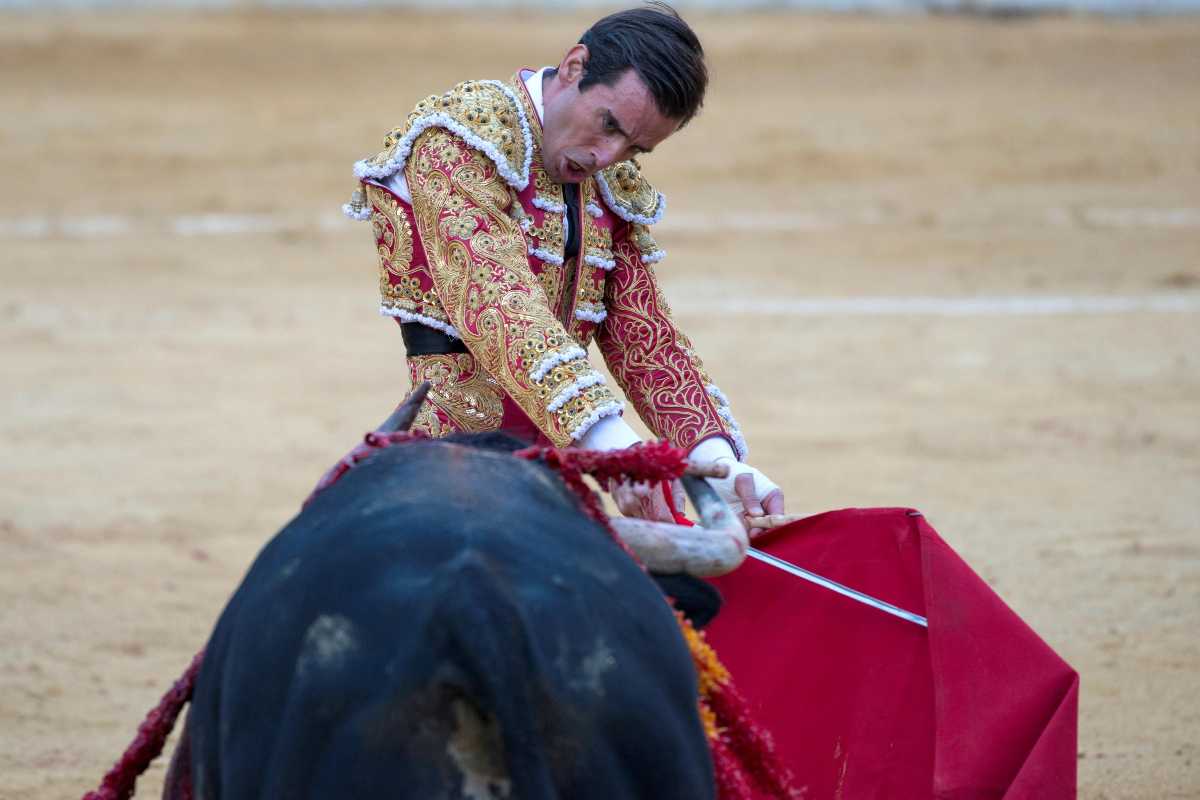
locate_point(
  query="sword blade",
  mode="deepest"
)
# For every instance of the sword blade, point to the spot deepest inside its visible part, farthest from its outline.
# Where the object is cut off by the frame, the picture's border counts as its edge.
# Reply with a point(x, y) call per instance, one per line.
point(834, 586)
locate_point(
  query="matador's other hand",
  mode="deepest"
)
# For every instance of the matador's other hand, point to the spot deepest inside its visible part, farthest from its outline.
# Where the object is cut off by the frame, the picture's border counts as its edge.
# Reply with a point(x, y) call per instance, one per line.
point(645, 500)
point(747, 486)
point(747, 490)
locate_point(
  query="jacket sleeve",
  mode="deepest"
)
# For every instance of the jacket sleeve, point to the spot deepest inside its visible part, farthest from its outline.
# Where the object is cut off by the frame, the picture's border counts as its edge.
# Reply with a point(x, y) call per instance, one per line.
point(480, 269)
point(652, 359)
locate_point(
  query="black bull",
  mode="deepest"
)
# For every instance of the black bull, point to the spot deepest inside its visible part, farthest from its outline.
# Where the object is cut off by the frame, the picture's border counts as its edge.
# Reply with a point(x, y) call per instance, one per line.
point(444, 622)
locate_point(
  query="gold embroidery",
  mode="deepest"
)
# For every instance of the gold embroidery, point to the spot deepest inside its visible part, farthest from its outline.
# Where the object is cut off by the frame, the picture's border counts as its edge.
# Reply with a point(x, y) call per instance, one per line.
point(547, 198)
point(578, 408)
point(460, 227)
point(588, 192)
point(545, 191)
point(517, 211)
point(405, 294)
point(543, 186)
point(596, 238)
point(589, 292)
point(652, 359)
point(549, 233)
point(597, 241)
point(551, 280)
point(561, 377)
point(630, 195)
point(399, 290)
point(393, 234)
point(468, 397)
point(483, 108)
point(484, 280)
point(643, 240)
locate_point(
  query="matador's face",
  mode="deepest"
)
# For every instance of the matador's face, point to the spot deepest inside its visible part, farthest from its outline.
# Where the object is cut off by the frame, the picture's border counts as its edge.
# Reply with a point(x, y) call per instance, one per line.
point(584, 132)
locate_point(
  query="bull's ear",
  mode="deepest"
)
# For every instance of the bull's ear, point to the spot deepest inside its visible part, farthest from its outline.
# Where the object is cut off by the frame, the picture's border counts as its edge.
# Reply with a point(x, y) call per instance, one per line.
point(402, 418)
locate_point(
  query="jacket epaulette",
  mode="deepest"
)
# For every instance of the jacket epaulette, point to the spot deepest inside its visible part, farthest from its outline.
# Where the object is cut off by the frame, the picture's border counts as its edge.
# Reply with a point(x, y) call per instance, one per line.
point(629, 194)
point(485, 114)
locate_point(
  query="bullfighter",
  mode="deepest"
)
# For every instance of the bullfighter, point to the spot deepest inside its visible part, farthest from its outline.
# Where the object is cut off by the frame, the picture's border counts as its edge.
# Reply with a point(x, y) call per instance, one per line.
point(514, 225)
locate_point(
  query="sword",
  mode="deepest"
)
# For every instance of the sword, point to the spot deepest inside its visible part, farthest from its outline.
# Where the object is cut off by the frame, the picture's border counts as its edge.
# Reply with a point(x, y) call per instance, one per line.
point(834, 586)
point(711, 507)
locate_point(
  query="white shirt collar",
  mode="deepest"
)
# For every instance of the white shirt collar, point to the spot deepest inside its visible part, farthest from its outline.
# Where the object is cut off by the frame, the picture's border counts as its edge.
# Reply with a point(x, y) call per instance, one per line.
point(534, 84)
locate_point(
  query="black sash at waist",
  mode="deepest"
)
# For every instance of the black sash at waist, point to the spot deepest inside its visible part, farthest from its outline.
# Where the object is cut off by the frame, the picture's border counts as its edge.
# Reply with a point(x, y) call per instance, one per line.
point(421, 340)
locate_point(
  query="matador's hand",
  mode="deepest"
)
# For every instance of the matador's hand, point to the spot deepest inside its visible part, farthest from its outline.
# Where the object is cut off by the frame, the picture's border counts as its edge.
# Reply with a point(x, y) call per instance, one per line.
point(747, 490)
point(645, 500)
point(755, 495)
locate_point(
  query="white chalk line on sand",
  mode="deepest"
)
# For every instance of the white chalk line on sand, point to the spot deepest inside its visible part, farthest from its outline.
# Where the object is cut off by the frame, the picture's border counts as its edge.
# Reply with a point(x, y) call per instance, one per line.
point(199, 225)
point(98, 226)
point(113, 226)
point(977, 306)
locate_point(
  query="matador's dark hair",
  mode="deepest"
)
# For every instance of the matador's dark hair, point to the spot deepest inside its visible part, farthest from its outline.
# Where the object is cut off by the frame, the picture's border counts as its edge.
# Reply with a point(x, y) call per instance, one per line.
point(660, 47)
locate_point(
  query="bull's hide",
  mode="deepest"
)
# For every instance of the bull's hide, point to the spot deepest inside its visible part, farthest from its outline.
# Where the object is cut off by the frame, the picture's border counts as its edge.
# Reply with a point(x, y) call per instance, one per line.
point(442, 623)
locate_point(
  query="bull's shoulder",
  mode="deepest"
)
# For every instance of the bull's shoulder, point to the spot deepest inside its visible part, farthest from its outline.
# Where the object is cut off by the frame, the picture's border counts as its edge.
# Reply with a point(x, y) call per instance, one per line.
point(485, 114)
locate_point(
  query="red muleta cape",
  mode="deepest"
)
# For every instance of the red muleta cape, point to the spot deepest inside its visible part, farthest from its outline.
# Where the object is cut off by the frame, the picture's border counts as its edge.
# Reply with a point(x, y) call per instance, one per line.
point(865, 705)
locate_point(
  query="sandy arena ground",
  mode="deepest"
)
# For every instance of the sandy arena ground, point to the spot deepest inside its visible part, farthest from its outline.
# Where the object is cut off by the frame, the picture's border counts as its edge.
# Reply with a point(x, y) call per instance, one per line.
point(175, 379)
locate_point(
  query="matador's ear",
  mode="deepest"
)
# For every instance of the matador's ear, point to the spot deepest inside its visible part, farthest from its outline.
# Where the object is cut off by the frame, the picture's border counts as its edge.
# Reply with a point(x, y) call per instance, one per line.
point(573, 66)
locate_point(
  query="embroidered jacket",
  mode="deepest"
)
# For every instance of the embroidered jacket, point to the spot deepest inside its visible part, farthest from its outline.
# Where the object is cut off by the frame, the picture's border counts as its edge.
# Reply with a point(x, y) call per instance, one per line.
point(477, 253)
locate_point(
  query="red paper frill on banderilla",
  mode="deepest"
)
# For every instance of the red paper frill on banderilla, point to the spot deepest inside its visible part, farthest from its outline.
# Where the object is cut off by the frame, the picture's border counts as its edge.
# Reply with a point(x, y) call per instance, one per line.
point(866, 705)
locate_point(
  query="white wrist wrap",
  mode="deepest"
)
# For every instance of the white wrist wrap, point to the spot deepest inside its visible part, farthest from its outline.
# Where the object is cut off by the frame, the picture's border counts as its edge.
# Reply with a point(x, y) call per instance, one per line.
point(609, 433)
point(724, 486)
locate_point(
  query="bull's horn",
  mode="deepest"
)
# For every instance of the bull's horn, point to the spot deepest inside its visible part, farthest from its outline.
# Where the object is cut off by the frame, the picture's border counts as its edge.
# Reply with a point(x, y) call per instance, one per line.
point(402, 418)
point(714, 512)
point(717, 546)
point(666, 547)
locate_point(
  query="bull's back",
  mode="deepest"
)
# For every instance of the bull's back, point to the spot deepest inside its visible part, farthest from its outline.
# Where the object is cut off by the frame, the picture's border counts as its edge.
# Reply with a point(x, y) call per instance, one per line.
point(444, 622)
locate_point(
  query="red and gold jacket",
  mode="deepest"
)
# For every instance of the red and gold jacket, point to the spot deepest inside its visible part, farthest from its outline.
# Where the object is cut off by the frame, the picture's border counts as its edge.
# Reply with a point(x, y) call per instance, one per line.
point(471, 244)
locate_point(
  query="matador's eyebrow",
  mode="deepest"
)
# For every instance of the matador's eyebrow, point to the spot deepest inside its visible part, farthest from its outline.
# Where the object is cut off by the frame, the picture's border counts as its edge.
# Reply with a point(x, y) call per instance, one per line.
point(616, 123)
